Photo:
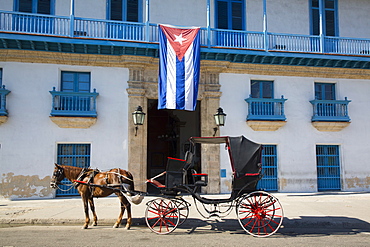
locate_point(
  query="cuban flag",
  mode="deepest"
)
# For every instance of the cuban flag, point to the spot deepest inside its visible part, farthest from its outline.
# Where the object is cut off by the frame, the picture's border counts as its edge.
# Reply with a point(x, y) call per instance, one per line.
point(179, 68)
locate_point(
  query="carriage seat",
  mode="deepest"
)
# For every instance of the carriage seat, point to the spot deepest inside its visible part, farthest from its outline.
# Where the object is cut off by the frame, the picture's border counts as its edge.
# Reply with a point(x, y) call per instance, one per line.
point(200, 179)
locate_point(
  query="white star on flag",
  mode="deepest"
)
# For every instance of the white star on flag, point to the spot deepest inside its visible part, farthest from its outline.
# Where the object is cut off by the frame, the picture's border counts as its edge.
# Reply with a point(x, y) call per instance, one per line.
point(179, 39)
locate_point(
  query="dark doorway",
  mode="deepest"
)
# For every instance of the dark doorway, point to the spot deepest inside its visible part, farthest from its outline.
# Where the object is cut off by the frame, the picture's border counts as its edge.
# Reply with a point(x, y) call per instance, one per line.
point(168, 135)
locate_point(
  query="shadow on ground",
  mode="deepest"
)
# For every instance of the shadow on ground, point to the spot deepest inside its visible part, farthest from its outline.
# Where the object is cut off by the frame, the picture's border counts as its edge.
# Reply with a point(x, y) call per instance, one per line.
point(303, 226)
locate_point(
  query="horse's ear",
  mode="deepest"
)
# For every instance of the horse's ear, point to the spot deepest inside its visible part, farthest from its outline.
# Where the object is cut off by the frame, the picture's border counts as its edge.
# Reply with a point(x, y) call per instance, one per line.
point(57, 165)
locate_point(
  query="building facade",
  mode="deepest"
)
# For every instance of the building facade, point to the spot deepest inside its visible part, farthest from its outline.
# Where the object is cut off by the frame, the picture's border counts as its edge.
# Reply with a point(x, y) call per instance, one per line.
point(292, 75)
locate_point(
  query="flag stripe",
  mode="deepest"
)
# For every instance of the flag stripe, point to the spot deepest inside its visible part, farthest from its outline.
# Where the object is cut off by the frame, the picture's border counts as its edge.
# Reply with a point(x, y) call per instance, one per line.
point(180, 84)
point(171, 78)
point(162, 80)
point(196, 75)
point(189, 78)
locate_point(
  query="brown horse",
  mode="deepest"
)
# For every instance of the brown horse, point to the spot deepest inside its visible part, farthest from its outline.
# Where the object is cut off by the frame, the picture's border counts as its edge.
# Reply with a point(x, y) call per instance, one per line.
point(115, 178)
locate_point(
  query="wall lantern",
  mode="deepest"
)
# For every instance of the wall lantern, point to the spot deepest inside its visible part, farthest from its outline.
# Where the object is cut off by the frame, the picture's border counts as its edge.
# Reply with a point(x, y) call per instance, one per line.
point(138, 117)
point(220, 117)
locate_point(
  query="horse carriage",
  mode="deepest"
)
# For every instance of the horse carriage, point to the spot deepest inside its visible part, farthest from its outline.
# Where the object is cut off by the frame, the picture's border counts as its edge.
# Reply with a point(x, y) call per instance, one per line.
point(259, 213)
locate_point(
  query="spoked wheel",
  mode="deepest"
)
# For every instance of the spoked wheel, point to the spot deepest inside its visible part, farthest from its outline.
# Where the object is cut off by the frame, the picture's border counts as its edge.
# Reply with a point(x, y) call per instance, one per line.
point(162, 215)
point(260, 214)
point(183, 207)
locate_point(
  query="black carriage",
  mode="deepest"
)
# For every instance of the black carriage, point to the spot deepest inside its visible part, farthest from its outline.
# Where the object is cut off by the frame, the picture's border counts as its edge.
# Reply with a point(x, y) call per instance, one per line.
point(259, 213)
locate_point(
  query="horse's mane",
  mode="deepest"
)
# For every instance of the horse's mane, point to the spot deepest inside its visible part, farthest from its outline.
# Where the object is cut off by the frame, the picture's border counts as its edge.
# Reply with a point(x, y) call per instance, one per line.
point(71, 171)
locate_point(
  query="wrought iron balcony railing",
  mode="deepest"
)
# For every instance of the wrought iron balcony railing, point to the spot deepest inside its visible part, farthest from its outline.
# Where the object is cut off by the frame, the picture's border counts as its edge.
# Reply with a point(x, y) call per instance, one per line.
point(3, 93)
point(330, 110)
point(73, 104)
point(71, 26)
point(266, 109)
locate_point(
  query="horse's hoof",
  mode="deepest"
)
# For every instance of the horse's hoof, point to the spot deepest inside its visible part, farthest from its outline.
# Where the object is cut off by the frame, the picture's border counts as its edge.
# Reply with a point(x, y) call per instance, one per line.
point(95, 224)
point(84, 227)
point(115, 226)
point(127, 227)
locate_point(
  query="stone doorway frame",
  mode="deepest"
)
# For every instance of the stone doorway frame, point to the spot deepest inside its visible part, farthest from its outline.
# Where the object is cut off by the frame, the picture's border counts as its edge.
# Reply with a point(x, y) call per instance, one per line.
point(143, 85)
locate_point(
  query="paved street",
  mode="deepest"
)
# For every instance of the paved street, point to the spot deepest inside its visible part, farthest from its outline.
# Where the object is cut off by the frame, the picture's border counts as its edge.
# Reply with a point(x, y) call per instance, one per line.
point(195, 234)
point(310, 219)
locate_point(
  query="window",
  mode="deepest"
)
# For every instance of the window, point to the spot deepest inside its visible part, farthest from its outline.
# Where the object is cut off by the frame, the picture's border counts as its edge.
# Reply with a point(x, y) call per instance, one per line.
point(328, 167)
point(329, 15)
point(72, 155)
point(76, 98)
point(124, 10)
point(269, 169)
point(35, 6)
point(262, 89)
point(75, 82)
point(230, 14)
point(325, 91)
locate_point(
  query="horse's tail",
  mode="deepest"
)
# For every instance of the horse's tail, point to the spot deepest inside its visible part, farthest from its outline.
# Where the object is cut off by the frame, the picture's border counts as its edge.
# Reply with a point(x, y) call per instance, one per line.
point(132, 183)
point(136, 199)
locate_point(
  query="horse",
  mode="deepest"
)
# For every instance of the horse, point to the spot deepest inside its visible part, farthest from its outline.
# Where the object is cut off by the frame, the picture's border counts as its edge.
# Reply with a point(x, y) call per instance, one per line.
point(104, 184)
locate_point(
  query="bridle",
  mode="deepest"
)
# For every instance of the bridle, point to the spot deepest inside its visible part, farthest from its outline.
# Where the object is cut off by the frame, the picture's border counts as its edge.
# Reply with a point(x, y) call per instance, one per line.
point(58, 175)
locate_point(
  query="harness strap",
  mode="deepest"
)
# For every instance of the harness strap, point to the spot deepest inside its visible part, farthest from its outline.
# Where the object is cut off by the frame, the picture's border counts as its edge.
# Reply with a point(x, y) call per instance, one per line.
point(119, 174)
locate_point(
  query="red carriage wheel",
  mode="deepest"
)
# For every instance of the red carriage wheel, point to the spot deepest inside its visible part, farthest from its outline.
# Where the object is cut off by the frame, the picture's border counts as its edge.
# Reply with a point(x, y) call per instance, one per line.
point(162, 215)
point(183, 207)
point(260, 213)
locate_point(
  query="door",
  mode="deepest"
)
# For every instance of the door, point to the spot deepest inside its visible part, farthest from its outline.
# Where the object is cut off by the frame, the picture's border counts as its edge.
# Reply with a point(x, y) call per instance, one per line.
point(328, 11)
point(262, 90)
point(123, 10)
point(229, 16)
point(72, 155)
point(34, 24)
point(75, 82)
point(269, 181)
point(325, 91)
point(168, 135)
point(328, 167)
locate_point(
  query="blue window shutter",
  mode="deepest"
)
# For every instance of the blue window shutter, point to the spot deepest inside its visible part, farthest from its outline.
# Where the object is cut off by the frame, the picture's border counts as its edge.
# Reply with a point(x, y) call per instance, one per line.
point(132, 13)
point(25, 6)
point(262, 89)
point(222, 15)
point(329, 11)
point(124, 10)
point(75, 81)
point(35, 6)
point(116, 10)
point(324, 91)
point(44, 7)
point(230, 14)
point(237, 16)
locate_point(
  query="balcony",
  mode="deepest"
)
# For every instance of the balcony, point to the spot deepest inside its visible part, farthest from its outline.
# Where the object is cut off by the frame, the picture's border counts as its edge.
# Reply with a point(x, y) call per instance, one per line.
point(73, 109)
point(266, 114)
point(3, 111)
point(330, 115)
point(144, 33)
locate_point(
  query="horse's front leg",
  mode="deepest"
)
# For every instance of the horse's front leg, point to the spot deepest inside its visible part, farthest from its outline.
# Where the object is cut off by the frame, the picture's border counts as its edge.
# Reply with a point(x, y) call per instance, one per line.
point(92, 207)
point(86, 208)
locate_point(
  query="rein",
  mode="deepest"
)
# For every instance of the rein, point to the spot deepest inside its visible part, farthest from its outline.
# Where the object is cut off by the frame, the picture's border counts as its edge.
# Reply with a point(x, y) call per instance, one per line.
point(69, 185)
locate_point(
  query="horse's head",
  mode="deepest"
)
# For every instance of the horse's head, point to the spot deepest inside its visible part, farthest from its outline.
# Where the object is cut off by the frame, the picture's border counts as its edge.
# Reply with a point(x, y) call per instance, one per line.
point(58, 176)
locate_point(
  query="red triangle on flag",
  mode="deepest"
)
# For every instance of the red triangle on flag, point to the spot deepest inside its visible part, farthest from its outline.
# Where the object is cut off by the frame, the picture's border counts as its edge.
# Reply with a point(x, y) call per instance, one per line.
point(180, 39)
